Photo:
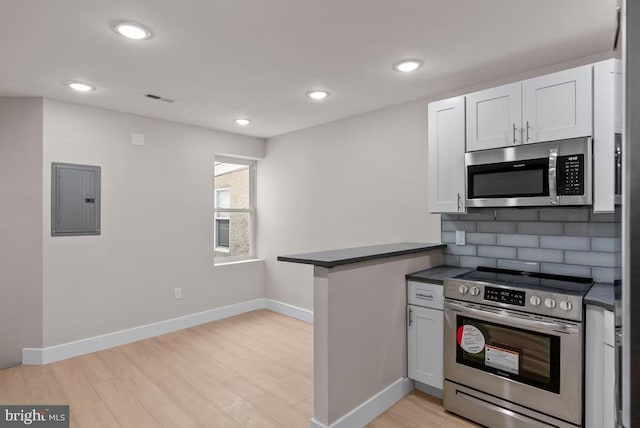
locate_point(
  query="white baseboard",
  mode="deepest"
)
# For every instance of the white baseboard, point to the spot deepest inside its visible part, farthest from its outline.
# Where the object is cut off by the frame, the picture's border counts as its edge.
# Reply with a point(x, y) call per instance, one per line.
point(97, 343)
point(289, 310)
point(372, 408)
point(38, 356)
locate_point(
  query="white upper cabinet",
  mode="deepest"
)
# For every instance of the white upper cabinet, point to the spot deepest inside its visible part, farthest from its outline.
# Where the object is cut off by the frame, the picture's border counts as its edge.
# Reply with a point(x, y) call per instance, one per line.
point(446, 156)
point(557, 106)
point(607, 122)
point(494, 117)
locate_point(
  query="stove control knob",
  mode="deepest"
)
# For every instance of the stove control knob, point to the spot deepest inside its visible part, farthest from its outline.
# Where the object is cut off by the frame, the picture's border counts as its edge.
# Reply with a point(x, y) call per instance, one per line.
point(566, 305)
point(535, 300)
point(463, 289)
point(475, 291)
point(550, 302)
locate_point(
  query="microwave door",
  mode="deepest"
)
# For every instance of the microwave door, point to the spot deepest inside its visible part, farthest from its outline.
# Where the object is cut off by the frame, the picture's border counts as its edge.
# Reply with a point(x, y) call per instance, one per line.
point(510, 183)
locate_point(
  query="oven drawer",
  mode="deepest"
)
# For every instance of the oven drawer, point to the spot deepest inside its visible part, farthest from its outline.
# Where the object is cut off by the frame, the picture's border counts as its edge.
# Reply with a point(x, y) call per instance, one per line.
point(494, 412)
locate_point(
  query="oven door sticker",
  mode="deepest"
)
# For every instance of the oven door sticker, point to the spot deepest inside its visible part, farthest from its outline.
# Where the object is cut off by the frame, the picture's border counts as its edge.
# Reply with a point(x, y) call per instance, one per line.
point(470, 339)
point(502, 359)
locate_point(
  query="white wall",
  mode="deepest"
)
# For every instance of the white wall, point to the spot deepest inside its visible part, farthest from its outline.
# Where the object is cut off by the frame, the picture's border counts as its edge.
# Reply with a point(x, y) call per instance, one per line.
point(157, 228)
point(20, 226)
point(357, 181)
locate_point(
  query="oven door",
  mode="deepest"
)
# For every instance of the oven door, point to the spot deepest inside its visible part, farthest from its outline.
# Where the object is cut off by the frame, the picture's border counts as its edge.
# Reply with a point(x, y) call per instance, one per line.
point(529, 360)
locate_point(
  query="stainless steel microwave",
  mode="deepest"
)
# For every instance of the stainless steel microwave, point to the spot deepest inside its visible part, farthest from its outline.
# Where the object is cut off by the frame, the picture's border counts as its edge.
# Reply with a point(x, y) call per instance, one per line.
point(555, 173)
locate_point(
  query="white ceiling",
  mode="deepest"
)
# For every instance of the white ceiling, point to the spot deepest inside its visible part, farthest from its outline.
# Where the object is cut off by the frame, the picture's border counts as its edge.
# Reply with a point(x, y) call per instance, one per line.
point(222, 59)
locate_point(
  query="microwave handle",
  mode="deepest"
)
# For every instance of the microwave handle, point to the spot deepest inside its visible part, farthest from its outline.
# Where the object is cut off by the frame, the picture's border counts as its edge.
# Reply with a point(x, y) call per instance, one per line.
point(553, 168)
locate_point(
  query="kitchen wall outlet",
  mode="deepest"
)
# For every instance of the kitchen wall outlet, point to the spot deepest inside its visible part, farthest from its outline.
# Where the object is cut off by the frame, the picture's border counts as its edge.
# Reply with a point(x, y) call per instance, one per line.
point(461, 237)
point(177, 293)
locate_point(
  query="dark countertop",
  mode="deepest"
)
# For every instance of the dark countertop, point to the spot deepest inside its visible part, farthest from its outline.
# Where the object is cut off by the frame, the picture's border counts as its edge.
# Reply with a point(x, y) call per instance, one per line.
point(437, 275)
point(603, 294)
point(333, 258)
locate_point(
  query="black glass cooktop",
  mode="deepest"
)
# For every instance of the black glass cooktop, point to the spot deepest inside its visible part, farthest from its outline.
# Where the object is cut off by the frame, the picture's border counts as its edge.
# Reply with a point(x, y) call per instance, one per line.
point(513, 278)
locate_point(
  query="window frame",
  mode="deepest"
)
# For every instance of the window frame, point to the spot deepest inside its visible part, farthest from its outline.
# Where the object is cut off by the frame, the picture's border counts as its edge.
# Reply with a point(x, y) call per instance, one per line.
point(251, 210)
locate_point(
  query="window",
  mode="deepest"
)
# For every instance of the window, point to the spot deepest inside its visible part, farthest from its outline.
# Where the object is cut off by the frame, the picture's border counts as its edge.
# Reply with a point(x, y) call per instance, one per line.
point(234, 209)
point(222, 220)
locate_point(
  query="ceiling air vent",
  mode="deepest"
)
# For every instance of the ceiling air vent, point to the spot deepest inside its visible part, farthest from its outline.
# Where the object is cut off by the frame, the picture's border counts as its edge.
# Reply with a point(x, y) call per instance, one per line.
point(159, 98)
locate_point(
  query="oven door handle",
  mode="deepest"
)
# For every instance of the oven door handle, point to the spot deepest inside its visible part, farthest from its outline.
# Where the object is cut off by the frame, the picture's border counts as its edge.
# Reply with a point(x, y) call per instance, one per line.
point(516, 321)
point(553, 173)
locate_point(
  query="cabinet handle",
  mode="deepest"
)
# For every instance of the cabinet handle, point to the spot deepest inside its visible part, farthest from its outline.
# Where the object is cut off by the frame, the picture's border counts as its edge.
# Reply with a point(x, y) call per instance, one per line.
point(553, 165)
point(459, 201)
point(528, 130)
point(515, 141)
point(410, 317)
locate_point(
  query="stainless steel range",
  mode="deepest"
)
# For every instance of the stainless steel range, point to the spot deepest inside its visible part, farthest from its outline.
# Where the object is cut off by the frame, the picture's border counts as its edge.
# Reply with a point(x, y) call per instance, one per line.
point(513, 348)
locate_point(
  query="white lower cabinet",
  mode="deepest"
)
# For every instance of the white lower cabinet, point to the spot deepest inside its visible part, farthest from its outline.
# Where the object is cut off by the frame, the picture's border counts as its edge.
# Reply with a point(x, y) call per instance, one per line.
point(600, 368)
point(425, 339)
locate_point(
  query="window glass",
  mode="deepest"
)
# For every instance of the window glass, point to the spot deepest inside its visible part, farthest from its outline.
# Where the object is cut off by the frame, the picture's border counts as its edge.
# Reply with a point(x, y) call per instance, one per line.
point(234, 209)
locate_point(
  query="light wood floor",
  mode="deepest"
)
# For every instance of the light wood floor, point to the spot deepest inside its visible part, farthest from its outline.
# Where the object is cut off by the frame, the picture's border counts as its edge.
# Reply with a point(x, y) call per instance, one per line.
point(253, 370)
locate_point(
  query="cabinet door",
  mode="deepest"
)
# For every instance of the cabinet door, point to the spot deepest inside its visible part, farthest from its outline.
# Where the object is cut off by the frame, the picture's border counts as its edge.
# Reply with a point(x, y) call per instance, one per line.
point(609, 393)
point(494, 117)
point(594, 367)
point(557, 106)
point(607, 121)
point(425, 345)
point(446, 156)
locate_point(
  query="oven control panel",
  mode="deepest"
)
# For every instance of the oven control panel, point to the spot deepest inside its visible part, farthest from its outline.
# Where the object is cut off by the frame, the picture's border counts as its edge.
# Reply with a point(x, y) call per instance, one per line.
point(531, 300)
point(505, 295)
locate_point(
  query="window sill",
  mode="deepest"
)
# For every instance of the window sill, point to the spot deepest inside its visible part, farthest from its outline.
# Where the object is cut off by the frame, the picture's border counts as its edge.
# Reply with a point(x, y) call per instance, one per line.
point(237, 262)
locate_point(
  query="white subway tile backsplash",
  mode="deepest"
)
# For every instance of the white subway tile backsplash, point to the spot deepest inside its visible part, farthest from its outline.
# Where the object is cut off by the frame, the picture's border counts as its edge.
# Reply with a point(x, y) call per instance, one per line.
point(518, 265)
point(606, 230)
point(461, 250)
point(591, 258)
point(472, 262)
point(576, 229)
point(518, 240)
point(564, 215)
point(565, 242)
point(540, 228)
point(517, 215)
point(449, 237)
point(600, 274)
point(606, 217)
point(497, 252)
point(612, 245)
point(452, 226)
point(481, 238)
point(478, 214)
point(569, 270)
point(451, 260)
point(449, 216)
point(540, 255)
point(496, 227)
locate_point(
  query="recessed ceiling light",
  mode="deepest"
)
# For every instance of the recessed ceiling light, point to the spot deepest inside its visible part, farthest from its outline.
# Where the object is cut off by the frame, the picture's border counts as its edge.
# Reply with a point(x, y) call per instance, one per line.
point(317, 95)
point(408, 65)
point(131, 30)
point(79, 86)
point(243, 121)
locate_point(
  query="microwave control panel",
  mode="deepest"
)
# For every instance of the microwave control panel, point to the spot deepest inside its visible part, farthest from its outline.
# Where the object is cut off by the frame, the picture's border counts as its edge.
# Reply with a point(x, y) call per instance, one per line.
point(571, 175)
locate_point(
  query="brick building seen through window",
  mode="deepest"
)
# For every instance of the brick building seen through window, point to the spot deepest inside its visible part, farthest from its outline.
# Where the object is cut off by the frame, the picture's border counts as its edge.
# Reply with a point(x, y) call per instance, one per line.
point(234, 209)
